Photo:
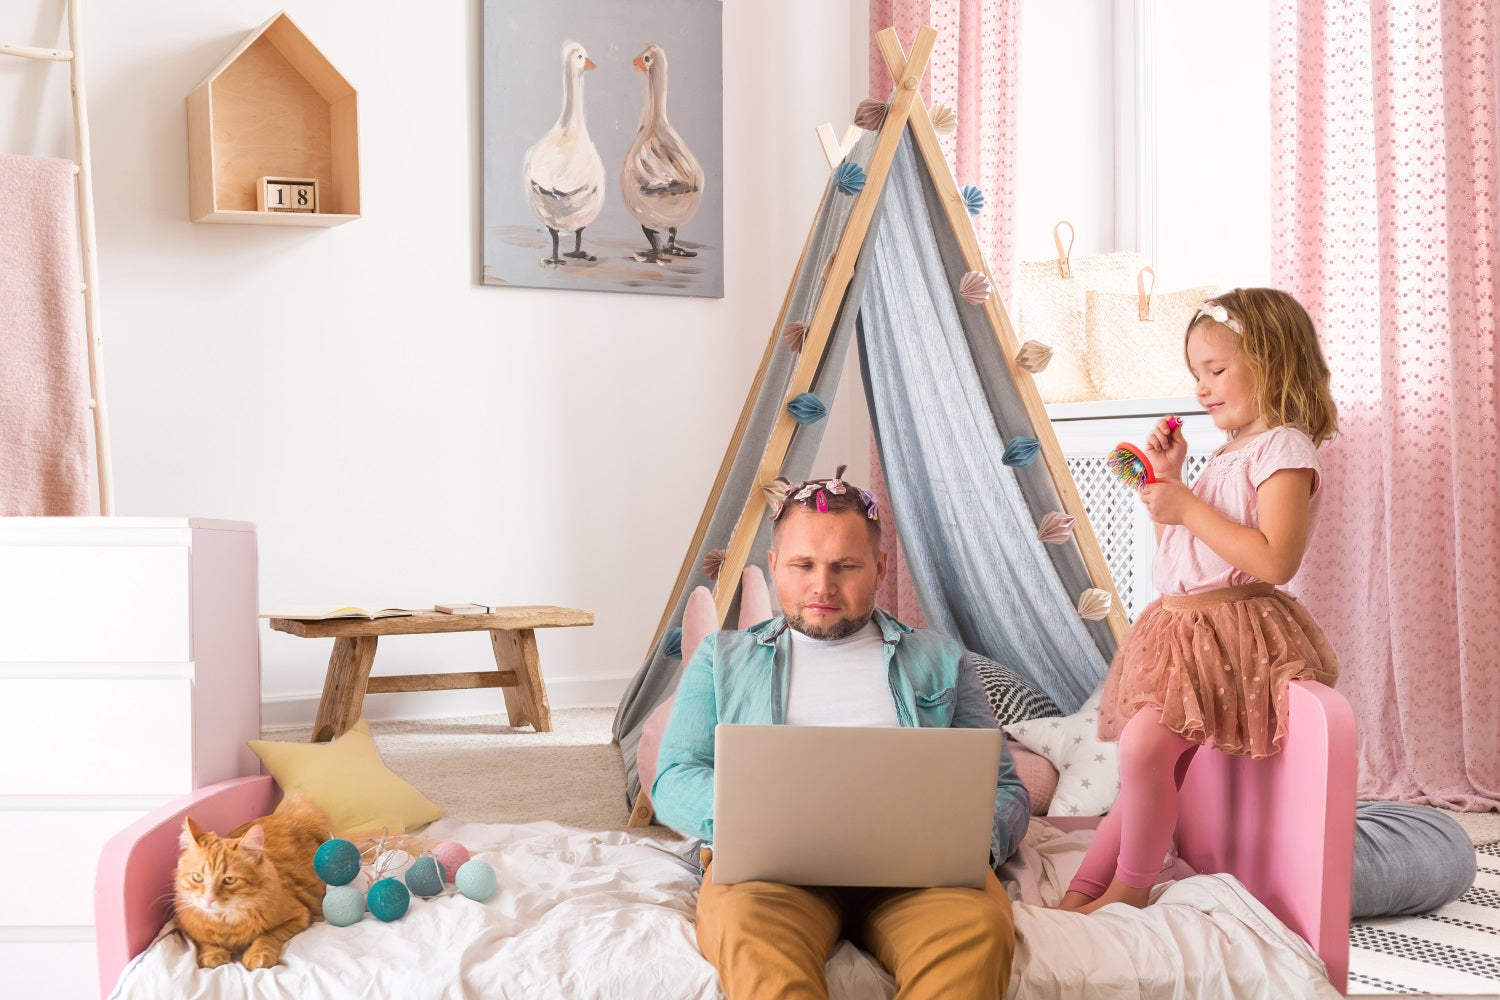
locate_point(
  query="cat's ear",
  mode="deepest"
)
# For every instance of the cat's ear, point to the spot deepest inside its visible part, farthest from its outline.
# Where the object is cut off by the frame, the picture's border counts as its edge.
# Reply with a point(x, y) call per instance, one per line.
point(192, 834)
point(254, 839)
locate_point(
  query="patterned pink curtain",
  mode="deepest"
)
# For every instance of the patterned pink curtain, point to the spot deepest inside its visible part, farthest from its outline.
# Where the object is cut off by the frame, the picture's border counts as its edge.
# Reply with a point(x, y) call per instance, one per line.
point(1385, 227)
point(973, 71)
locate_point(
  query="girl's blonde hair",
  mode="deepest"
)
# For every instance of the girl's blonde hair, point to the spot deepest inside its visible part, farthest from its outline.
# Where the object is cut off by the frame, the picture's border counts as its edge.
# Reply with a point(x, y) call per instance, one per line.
point(1281, 346)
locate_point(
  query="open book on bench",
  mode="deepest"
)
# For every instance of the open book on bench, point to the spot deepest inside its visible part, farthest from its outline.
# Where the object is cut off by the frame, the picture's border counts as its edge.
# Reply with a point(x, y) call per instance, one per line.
point(323, 612)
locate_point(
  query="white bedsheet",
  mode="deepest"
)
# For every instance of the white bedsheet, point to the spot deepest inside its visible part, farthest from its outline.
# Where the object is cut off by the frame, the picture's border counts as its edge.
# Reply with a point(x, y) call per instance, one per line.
point(584, 914)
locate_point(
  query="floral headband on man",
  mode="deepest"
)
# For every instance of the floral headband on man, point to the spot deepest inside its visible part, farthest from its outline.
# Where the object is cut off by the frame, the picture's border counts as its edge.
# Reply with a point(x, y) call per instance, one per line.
point(814, 493)
point(1216, 312)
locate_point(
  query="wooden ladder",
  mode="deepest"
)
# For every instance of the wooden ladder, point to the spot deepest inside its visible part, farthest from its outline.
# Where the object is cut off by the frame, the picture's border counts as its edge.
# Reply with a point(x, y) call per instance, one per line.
point(83, 169)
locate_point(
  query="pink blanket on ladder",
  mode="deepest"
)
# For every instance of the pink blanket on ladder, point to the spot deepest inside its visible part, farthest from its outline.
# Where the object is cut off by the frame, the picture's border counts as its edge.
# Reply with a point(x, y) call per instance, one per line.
point(44, 416)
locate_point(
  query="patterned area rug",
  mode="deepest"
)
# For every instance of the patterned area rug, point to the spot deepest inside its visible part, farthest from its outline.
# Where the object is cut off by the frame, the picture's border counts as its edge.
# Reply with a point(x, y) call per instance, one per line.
point(1452, 951)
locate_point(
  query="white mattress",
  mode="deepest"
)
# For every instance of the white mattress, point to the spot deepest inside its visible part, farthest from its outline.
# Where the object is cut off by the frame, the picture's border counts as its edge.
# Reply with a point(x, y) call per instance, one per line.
point(584, 914)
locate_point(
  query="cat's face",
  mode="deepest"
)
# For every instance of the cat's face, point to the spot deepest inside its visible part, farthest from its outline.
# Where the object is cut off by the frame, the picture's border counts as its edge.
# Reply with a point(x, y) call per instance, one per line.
point(217, 876)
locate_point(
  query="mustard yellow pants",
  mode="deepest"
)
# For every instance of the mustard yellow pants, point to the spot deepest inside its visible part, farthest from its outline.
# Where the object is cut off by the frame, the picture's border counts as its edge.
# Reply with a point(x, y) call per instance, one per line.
point(773, 940)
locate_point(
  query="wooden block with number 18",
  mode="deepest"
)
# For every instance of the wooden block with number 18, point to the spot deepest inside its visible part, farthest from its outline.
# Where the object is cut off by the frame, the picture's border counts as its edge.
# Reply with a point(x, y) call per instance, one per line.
point(286, 194)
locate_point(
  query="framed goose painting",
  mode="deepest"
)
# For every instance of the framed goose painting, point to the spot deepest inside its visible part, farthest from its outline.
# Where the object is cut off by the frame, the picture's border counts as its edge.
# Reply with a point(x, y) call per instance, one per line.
point(603, 145)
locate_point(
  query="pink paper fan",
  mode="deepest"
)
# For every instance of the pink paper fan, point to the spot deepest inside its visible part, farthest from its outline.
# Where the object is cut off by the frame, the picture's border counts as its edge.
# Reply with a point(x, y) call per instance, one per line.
point(793, 335)
point(1093, 604)
point(713, 562)
point(944, 121)
point(1056, 528)
point(1034, 356)
point(974, 287)
point(870, 114)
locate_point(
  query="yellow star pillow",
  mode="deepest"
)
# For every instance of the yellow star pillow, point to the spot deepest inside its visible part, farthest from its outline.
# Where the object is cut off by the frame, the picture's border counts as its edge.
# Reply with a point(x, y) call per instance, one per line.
point(349, 780)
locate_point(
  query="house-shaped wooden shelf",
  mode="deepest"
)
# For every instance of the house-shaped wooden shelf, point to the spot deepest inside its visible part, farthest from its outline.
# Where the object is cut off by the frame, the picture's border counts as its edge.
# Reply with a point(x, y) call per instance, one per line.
point(274, 108)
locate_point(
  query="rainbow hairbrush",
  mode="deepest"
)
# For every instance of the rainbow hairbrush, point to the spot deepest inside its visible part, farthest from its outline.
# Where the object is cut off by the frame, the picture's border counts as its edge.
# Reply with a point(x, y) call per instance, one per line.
point(1130, 464)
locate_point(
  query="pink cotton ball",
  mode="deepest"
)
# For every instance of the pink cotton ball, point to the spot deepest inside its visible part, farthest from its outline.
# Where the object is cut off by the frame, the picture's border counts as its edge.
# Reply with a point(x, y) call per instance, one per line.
point(451, 855)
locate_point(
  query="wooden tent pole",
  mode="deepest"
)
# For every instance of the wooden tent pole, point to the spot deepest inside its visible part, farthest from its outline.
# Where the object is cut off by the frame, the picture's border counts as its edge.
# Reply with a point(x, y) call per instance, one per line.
point(835, 284)
point(736, 439)
point(1005, 336)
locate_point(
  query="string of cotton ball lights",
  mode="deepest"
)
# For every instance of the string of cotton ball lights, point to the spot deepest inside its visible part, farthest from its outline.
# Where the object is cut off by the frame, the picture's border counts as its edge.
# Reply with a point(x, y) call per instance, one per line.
point(355, 886)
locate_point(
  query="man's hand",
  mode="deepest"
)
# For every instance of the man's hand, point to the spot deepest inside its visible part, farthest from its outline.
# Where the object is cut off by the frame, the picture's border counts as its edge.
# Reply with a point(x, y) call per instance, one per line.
point(1169, 501)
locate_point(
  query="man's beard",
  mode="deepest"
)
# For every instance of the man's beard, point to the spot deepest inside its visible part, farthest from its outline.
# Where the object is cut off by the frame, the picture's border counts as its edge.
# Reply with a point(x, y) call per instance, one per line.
point(841, 629)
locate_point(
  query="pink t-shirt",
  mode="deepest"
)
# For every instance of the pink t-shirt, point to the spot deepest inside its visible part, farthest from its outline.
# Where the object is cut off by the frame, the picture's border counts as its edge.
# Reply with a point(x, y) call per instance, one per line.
point(1185, 565)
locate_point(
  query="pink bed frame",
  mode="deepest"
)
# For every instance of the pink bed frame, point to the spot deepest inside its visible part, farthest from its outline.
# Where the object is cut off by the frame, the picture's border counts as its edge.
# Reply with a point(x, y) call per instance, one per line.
point(1283, 827)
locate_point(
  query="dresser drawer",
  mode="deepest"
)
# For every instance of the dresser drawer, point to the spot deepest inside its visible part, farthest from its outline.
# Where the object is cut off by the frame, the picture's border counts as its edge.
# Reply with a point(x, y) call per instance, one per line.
point(94, 603)
point(54, 886)
point(57, 970)
point(96, 737)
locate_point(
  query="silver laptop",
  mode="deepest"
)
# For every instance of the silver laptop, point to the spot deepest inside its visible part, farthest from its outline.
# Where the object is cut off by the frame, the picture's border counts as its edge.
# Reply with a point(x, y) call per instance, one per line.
point(846, 806)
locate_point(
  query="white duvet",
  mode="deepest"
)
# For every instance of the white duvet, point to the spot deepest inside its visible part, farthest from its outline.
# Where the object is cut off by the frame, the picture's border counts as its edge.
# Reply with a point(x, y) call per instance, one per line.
point(583, 914)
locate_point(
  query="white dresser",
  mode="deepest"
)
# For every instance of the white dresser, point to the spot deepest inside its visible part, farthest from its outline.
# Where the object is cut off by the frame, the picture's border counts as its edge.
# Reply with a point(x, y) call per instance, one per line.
point(129, 675)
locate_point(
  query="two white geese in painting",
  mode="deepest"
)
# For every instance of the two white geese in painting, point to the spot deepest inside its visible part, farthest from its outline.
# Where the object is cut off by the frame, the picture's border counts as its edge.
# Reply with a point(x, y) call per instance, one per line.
point(661, 181)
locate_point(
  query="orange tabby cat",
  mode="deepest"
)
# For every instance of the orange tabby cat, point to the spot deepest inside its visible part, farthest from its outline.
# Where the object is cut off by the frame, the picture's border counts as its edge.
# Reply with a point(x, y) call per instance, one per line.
point(247, 894)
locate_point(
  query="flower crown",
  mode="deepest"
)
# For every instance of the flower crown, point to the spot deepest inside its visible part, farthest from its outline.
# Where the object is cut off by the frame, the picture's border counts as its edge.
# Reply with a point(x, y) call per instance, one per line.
point(815, 492)
point(1218, 314)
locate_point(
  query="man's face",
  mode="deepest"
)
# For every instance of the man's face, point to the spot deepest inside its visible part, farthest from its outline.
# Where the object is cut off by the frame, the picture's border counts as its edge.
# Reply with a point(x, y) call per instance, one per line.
point(827, 570)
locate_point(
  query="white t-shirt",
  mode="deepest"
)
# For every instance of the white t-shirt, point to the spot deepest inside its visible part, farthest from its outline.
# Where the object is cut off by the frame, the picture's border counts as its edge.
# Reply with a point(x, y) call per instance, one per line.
point(840, 682)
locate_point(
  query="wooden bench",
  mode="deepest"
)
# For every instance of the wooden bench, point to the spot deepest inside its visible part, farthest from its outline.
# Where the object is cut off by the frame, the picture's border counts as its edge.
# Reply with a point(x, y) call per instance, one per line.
point(512, 636)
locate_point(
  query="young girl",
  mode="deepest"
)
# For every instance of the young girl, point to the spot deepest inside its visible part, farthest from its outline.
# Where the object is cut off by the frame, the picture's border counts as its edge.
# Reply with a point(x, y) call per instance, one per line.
point(1209, 661)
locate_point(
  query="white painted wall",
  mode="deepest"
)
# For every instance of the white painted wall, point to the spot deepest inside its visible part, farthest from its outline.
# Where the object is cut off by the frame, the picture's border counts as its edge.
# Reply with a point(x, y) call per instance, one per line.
point(399, 433)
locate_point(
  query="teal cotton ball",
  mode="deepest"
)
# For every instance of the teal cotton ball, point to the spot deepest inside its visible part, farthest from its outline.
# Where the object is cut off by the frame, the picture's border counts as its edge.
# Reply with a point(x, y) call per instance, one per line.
point(476, 879)
point(343, 905)
point(388, 899)
point(425, 877)
point(336, 862)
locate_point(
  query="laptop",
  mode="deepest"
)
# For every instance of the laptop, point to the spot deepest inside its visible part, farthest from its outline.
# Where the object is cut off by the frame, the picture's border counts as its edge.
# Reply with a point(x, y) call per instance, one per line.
point(896, 807)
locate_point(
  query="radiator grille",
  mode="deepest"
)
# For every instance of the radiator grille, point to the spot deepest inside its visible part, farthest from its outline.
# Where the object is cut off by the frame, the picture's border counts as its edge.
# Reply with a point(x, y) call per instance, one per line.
point(1113, 511)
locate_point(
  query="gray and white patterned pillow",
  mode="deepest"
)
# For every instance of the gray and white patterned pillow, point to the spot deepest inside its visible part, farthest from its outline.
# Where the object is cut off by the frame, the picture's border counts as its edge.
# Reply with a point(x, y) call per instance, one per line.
point(1012, 698)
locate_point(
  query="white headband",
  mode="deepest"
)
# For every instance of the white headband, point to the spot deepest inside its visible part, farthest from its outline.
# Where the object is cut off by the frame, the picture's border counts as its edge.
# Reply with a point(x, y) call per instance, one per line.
point(1218, 314)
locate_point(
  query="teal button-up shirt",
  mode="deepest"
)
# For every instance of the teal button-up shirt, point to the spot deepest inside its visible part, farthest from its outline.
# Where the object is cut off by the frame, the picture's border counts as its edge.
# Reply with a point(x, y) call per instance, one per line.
point(742, 677)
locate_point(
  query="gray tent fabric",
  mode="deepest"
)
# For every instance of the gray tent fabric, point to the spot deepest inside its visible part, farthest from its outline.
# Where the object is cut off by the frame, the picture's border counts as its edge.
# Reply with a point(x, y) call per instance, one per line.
point(968, 522)
point(657, 679)
point(943, 404)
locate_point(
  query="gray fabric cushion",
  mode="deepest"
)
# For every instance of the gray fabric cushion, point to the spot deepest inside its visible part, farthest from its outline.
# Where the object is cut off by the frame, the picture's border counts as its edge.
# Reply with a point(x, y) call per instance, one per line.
point(1408, 859)
point(1012, 698)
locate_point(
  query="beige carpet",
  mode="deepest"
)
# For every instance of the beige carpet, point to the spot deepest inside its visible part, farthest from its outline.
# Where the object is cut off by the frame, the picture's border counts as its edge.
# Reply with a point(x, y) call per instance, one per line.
point(482, 770)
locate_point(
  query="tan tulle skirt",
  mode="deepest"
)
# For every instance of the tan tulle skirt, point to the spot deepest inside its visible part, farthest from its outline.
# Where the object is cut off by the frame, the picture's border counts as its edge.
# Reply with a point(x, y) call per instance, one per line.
point(1217, 665)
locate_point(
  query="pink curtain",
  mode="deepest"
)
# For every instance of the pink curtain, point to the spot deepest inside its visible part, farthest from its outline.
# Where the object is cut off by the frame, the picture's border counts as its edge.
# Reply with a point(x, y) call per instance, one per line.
point(1385, 227)
point(973, 71)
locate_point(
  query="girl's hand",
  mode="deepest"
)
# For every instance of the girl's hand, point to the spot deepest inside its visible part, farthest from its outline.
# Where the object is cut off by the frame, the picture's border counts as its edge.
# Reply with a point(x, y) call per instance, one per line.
point(1168, 501)
point(1166, 447)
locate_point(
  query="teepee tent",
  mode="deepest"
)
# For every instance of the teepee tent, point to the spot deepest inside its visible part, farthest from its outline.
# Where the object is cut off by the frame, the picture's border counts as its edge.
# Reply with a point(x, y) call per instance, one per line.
point(982, 496)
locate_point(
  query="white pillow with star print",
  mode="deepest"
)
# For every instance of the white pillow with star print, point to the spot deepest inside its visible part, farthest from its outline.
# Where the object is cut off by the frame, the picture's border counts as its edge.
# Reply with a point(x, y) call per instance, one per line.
point(1088, 769)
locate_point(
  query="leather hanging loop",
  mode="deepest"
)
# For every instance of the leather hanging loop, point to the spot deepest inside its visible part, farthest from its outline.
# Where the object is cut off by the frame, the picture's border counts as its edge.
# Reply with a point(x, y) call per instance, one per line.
point(1143, 293)
point(1063, 255)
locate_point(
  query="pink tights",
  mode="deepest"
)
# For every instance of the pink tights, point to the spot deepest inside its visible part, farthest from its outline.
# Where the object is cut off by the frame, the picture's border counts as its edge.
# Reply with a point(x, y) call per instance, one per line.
point(1133, 839)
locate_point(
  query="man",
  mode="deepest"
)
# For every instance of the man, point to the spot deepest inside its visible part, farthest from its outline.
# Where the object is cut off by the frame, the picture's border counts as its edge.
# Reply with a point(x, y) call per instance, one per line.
point(834, 659)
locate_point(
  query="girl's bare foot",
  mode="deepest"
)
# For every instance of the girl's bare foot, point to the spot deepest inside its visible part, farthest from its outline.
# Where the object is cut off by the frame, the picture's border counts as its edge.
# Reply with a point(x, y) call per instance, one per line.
point(1074, 900)
point(1119, 892)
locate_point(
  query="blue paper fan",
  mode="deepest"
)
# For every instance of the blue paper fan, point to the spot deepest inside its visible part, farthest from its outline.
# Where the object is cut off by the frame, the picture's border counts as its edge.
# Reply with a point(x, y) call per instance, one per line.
point(807, 409)
point(671, 643)
point(1021, 452)
point(973, 199)
point(849, 177)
